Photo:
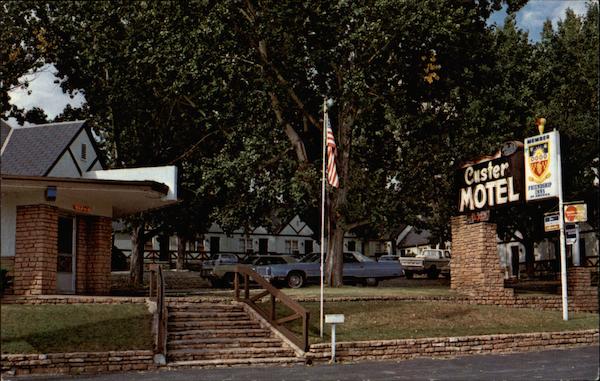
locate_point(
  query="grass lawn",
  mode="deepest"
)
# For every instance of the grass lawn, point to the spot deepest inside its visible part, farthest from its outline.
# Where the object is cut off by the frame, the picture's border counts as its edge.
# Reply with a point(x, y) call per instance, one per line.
point(74, 328)
point(379, 320)
point(358, 291)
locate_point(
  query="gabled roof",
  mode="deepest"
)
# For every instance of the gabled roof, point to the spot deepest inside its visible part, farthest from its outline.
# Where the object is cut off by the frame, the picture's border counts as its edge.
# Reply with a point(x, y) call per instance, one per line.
point(416, 238)
point(33, 151)
point(4, 131)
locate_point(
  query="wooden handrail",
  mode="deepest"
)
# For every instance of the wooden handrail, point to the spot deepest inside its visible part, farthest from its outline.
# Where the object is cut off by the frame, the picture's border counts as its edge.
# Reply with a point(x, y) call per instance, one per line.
point(157, 291)
point(246, 273)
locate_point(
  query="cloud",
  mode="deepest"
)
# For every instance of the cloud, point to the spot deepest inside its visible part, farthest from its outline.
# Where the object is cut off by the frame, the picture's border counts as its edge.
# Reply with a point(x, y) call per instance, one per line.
point(45, 93)
point(535, 13)
point(532, 16)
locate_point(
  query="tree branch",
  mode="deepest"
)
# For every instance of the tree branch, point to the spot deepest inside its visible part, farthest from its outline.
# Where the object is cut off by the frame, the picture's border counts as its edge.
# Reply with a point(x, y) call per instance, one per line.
point(292, 135)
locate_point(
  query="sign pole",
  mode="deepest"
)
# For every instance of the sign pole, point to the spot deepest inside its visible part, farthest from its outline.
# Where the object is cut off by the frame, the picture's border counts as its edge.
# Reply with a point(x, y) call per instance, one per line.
point(563, 254)
point(323, 215)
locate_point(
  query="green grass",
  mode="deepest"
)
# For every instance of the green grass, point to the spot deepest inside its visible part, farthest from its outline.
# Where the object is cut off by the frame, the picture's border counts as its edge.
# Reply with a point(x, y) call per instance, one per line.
point(380, 320)
point(74, 328)
point(357, 291)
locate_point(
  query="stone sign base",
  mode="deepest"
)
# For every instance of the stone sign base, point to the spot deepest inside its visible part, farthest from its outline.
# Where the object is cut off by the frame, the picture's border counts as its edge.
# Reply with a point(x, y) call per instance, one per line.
point(476, 270)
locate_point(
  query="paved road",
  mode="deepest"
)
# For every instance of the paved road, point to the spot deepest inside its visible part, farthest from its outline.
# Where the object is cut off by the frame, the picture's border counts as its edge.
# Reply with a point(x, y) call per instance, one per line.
point(569, 364)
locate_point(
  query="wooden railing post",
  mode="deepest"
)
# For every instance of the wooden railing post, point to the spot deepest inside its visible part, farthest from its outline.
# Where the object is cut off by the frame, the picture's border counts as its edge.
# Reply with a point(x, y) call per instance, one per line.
point(236, 285)
point(305, 330)
point(246, 287)
point(273, 311)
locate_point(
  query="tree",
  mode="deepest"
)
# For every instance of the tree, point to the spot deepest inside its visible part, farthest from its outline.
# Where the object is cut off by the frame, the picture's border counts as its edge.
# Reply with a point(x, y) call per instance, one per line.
point(400, 75)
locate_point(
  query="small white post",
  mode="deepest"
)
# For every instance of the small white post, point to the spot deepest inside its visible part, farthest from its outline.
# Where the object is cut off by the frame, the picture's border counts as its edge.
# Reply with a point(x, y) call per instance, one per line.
point(333, 343)
point(333, 320)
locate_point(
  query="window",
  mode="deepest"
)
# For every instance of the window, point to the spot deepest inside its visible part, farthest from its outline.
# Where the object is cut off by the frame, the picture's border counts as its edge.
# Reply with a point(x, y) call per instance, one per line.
point(291, 246)
point(245, 245)
point(84, 152)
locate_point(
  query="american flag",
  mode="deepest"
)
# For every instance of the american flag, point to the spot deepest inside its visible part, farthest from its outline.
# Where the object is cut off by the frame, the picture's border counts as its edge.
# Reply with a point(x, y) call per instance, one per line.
point(332, 176)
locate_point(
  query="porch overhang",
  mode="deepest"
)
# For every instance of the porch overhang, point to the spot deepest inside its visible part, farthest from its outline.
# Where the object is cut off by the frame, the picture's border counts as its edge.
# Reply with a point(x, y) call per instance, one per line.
point(123, 197)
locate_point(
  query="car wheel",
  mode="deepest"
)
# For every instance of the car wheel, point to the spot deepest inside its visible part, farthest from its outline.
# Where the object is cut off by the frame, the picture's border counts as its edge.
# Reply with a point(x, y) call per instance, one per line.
point(409, 274)
point(295, 280)
point(371, 282)
point(433, 273)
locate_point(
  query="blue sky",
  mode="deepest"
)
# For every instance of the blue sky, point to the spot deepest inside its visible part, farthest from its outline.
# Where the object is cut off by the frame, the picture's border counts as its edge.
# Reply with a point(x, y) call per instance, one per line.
point(532, 16)
point(47, 95)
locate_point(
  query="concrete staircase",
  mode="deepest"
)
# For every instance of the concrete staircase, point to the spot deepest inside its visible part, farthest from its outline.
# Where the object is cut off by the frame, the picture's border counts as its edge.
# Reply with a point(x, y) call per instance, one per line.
point(220, 334)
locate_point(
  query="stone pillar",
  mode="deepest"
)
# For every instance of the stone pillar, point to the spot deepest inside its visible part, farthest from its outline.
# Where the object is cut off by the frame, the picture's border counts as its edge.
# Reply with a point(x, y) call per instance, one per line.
point(36, 250)
point(581, 291)
point(98, 255)
point(475, 265)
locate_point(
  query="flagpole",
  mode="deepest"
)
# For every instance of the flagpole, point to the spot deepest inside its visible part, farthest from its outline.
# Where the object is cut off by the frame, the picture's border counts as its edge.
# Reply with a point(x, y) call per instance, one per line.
point(323, 212)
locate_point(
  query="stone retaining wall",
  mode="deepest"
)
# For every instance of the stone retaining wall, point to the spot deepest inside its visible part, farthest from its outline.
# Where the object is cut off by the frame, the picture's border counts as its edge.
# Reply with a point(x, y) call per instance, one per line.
point(77, 362)
point(71, 299)
point(451, 346)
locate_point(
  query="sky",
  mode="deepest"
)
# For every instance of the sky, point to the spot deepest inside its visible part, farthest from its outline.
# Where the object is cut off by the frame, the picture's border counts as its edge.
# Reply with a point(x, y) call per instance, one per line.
point(45, 93)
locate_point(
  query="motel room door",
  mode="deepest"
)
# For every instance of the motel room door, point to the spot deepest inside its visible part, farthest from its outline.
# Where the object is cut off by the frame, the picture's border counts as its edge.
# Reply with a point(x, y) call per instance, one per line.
point(65, 269)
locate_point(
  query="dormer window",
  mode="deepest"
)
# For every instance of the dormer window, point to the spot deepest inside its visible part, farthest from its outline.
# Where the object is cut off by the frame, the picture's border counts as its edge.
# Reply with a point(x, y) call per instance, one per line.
point(83, 152)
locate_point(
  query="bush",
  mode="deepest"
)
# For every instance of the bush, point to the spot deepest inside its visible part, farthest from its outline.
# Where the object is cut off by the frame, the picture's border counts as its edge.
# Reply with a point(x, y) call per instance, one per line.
point(118, 260)
point(5, 280)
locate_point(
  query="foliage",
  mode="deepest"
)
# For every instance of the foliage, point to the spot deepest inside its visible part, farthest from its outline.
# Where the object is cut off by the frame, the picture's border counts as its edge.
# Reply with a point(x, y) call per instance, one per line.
point(232, 93)
point(5, 280)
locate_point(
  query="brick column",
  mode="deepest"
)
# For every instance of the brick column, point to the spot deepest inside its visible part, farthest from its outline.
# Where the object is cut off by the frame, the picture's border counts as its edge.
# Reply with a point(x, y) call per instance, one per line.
point(582, 294)
point(36, 250)
point(475, 265)
point(98, 255)
point(81, 254)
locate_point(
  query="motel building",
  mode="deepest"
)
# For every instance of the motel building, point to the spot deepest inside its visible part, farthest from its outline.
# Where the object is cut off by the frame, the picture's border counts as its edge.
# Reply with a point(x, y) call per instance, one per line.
point(58, 201)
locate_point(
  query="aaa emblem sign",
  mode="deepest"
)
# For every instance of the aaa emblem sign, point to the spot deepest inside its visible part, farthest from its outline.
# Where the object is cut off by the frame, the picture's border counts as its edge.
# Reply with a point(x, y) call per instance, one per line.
point(541, 166)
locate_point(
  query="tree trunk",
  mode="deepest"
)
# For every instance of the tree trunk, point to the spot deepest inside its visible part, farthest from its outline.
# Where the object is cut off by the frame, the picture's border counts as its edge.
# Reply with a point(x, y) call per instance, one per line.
point(181, 243)
point(136, 269)
point(335, 259)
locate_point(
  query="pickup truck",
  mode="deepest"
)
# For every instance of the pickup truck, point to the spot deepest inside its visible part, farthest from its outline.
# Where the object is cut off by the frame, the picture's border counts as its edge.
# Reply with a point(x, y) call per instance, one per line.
point(432, 262)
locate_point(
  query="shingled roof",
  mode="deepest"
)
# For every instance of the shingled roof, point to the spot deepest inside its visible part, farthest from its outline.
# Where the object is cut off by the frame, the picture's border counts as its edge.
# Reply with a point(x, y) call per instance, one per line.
point(33, 150)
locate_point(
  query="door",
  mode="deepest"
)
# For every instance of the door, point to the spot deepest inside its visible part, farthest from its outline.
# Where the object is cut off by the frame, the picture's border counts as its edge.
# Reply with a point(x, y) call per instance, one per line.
point(351, 246)
point(215, 246)
point(514, 260)
point(308, 246)
point(65, 268)
point(263, 246)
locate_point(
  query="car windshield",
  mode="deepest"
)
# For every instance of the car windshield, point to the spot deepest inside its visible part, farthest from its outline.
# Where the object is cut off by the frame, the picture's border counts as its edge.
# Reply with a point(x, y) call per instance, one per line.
point(313, 257)
point(362, 258)
point(228, 258)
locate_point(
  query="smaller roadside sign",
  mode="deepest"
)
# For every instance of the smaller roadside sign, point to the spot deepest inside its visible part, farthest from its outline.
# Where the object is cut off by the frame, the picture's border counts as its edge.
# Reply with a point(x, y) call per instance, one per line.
point(575, 213)
point(551, 222)
point(570, 234)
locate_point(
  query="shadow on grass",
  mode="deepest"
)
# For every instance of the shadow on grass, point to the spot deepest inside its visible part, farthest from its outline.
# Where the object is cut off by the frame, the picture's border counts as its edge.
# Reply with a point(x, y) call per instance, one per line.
point(106, 335)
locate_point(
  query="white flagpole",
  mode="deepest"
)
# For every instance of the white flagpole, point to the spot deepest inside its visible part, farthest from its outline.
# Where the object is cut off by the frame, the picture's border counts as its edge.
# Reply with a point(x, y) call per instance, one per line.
point(563, 254)
point(323, 211)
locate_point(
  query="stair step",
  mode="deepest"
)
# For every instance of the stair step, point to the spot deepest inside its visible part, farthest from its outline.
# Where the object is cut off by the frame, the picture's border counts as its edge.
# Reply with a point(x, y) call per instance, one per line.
point(237, 362)
point(228, 353)
point(178, 306)
point(224, 342)
point(206, 315)
point(186, 325)
point(214, 333)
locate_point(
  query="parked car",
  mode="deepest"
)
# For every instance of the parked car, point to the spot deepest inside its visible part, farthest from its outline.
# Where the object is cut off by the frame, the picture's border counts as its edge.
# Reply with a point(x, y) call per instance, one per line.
point(207, 266)
point(357, 268)
point(432, 262)
point(222, 274)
